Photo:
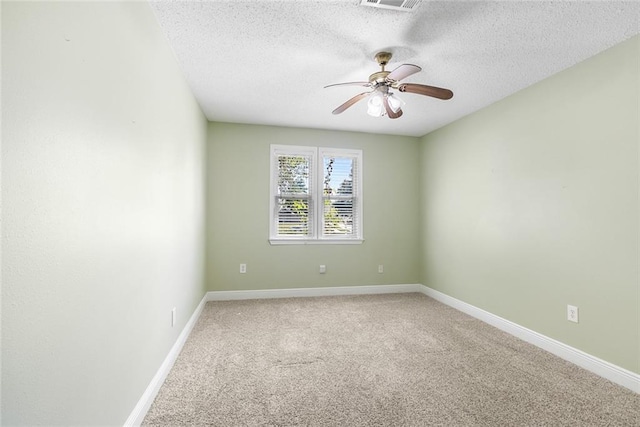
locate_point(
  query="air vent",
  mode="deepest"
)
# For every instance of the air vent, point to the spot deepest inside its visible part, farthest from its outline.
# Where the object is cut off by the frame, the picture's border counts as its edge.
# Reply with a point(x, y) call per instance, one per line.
point(403, 5)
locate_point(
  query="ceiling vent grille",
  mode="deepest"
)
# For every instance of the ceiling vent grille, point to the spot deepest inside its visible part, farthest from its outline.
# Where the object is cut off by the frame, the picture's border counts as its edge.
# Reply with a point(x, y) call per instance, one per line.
point(403, 5)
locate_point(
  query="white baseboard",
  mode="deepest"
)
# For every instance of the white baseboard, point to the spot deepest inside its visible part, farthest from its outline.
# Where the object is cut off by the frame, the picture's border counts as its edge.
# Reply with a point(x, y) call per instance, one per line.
point(312, 292)
point(140, 411)
point(591, 363)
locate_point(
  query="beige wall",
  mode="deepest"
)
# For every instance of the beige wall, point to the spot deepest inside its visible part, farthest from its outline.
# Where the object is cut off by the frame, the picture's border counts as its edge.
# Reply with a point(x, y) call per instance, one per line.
point(532, 204)
point(238, 212)
point(103, 209)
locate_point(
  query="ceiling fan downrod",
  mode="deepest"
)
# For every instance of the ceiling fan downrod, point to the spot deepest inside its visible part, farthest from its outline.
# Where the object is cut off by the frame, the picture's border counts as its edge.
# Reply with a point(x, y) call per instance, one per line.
point(383, 59)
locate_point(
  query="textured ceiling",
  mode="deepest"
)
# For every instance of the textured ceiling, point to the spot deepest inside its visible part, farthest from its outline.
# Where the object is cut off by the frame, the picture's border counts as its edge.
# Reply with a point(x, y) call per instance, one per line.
point(266, 62)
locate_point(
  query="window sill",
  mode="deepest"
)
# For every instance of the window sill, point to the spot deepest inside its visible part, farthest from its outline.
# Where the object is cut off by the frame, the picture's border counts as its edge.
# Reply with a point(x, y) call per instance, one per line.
point(316, 241)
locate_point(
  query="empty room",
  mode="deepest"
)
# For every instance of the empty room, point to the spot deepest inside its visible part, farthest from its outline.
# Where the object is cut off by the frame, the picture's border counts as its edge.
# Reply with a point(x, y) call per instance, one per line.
point(320, 213)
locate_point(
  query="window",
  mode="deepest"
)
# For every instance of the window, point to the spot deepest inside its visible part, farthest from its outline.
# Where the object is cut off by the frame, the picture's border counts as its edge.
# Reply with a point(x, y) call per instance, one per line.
point(316, 195)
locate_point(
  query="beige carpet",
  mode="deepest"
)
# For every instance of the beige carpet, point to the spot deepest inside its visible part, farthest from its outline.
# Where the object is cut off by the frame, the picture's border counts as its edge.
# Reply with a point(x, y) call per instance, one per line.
point(381, 360)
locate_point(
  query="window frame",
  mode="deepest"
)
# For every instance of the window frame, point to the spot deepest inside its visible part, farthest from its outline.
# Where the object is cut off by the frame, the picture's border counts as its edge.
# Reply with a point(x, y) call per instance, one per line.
point(316, 195)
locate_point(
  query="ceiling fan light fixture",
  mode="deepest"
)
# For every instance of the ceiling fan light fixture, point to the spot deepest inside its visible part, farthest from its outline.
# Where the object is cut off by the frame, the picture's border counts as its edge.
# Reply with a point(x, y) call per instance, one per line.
point(375, 107)
point(395, 102)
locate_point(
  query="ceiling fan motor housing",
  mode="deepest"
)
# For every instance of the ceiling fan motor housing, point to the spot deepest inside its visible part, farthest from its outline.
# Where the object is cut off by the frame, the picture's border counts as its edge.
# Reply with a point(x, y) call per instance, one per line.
point(379, 77)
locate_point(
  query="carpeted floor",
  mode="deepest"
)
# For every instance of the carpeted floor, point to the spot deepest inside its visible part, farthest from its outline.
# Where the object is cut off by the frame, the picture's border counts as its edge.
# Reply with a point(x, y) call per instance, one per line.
point(379, 360)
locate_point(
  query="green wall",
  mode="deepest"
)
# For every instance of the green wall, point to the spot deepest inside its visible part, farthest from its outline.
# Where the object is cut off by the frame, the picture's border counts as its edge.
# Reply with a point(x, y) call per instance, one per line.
point(532, 204)
point(103, 149)
point(238, 212)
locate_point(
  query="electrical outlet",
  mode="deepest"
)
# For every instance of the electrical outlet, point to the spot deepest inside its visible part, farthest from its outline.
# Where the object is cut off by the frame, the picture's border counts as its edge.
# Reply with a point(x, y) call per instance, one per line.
point(323, 269)
point(243, 268)
point(380, 269)
point(173, 317)
point(572, 313)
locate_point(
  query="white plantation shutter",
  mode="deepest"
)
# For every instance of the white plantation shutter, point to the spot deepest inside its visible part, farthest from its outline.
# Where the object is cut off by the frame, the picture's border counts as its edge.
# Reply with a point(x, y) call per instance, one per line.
point(294, 204)
point(340, 200)
point(316, 195)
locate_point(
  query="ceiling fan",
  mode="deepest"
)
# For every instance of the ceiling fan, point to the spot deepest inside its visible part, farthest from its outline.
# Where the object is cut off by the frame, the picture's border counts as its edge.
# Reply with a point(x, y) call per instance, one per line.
point(381, 100)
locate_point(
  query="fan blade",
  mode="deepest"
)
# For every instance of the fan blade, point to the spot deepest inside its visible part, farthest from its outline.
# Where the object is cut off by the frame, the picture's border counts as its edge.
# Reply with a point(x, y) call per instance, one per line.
point(349, 84)
point(436, 92)
point(390, 112)
point(350, 102)
point(403, 71)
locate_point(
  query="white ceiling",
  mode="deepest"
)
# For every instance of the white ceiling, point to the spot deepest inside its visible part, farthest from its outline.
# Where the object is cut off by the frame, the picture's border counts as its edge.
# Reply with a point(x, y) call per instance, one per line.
point(266, 62)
